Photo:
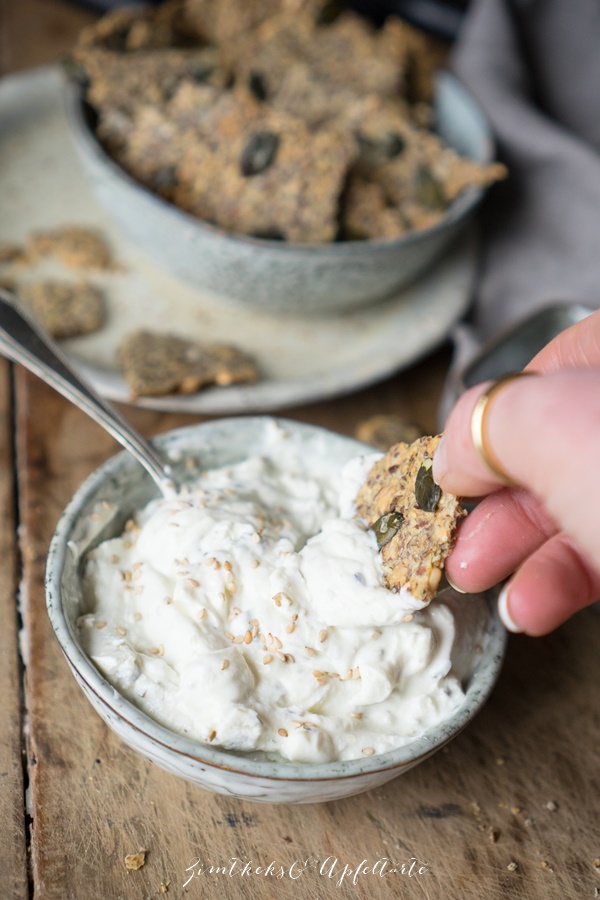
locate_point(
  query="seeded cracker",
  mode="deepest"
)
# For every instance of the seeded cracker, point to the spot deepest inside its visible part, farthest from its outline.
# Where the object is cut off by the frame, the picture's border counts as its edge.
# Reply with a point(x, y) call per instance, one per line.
point(290, 120)
point(155, 365)
point(65, 310)
point(12, 254)
point(73, 245)
point(124, 81)
point(132, 29)
point(414, 557)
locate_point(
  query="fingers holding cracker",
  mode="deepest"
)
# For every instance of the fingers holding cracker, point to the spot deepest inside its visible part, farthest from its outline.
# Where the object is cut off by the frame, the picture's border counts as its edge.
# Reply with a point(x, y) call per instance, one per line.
point(414, 520)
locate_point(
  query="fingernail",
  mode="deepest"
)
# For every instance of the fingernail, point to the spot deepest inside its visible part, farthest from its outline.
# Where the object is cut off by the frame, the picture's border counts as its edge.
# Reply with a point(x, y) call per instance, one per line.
point(505, 616)
point(440, 462)
point(454, 586)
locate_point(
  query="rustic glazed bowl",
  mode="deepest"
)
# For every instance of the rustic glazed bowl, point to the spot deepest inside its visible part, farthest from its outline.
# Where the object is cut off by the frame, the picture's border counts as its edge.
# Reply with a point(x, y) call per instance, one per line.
point(274, 275)
point(476, 658)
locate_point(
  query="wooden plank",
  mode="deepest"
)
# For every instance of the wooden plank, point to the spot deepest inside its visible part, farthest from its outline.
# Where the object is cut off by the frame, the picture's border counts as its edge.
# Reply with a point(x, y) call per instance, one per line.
point(13, 864)
point(94, 800)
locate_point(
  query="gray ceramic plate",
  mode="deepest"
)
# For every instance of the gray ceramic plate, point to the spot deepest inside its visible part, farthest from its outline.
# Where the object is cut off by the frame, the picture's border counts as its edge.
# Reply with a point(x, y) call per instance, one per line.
point(477, 655)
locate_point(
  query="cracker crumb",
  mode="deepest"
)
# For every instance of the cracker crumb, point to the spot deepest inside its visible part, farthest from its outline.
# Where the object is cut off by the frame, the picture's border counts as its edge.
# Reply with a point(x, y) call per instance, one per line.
point(134, 861)
point(65, 310)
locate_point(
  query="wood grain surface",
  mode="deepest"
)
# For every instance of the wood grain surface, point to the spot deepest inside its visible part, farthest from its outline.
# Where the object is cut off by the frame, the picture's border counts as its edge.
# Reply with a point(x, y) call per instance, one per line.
point(13, 867)
point(509, 809)
point(34, 32)
point(520, 786)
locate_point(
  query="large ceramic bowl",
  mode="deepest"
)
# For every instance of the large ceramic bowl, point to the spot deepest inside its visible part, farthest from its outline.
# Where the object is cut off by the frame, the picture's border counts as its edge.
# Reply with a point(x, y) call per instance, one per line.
point(477, 655)
point(274, 275)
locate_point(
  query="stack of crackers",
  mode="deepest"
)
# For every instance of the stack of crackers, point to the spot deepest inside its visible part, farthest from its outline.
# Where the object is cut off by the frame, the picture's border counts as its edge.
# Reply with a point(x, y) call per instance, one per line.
point(284, 119)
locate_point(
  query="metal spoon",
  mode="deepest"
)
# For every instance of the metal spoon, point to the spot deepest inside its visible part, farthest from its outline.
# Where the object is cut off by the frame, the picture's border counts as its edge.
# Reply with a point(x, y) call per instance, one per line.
point(24, 342)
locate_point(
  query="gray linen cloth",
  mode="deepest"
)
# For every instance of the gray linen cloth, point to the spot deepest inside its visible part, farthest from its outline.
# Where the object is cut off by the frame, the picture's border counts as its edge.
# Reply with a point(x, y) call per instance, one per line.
point(534, 66)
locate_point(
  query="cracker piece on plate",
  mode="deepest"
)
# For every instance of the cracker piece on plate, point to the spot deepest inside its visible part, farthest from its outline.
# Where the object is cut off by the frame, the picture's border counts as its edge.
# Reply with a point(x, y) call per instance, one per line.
point(12, 254)
point(156, 364)
point(73, 245)
point(65, 310)
point(8, 284)
point(413, 519)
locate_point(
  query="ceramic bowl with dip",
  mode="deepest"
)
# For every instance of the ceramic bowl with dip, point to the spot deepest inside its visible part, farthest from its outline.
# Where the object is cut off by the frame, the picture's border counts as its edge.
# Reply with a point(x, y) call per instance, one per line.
point(99, 511)
point(277, 276)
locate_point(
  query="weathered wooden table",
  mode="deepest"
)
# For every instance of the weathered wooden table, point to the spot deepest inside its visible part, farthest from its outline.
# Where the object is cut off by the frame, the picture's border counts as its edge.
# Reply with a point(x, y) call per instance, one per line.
point(509, 809)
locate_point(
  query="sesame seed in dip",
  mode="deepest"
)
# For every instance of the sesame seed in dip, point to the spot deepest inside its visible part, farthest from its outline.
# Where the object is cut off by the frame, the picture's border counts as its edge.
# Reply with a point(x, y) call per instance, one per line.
point(297, 647)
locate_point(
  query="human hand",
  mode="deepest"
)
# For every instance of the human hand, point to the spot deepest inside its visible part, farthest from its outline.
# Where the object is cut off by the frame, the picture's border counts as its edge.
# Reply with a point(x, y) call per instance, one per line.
point(545, 431)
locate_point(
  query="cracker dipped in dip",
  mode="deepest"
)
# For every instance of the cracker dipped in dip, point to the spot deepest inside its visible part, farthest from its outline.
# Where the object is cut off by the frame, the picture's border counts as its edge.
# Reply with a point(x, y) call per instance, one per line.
point(256, 610)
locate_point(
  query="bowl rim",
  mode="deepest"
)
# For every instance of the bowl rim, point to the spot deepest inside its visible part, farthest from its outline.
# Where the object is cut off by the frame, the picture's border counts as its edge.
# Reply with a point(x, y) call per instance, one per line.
point(87, 141)
point(416, 751)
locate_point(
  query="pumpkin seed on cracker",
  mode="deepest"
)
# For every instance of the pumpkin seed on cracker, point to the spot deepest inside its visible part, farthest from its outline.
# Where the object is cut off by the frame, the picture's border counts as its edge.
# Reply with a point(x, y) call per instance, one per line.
point(155, 364)
point(414, 520)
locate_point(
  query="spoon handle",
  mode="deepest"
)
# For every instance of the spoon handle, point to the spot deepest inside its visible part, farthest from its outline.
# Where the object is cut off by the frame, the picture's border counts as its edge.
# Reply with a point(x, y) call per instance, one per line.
point(22, 341)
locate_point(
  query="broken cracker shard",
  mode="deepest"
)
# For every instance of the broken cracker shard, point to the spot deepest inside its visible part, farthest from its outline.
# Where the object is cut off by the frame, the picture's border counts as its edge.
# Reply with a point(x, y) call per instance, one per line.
point(134, 861)
point(413, 557)
point(155, 364)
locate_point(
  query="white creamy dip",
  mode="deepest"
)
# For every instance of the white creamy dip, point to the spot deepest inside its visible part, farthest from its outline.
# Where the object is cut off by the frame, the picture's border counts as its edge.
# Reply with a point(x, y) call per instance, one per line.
point(250, 613)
